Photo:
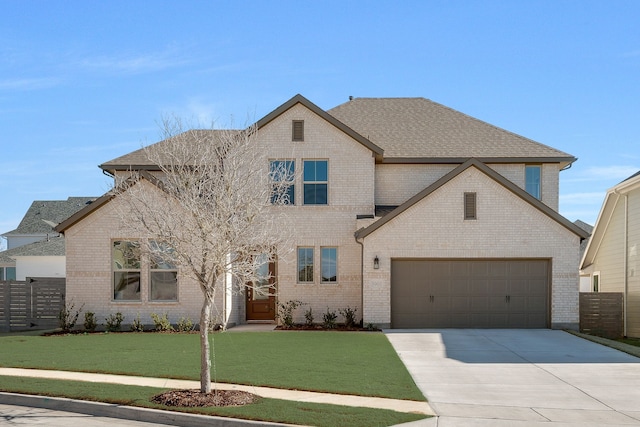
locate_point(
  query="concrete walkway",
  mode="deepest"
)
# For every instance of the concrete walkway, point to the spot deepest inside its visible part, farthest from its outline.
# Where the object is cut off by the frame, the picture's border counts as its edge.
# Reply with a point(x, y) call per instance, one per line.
point(274, 393)
point(520, 377)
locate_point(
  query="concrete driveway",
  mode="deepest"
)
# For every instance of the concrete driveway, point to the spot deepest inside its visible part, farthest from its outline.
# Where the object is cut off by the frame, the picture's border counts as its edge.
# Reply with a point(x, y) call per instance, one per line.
point(520, 377)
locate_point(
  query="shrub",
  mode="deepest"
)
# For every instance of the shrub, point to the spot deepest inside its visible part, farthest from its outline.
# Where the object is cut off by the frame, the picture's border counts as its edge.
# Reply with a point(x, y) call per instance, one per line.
point(308, 317)
point(329, 319)
point(349, 315)
point(113, 322)
point(285, 312)
point(136, 325)
point(90, 323)
point(162, 324)
point(68, 316)
point(185, 325)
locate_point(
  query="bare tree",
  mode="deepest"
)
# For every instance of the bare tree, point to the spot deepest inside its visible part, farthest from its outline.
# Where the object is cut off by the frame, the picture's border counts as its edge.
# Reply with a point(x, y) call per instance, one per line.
point(207, 209)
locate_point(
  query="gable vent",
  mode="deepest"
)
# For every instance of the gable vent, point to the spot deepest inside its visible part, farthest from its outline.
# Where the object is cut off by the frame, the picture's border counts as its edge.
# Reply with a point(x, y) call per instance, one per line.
point(470, 206)
point(298, 130)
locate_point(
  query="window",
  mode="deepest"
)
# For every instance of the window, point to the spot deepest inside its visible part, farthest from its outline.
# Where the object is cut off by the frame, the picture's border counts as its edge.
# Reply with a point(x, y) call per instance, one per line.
point(315, 179)
point(163, 273)
point(305, 265)
point(596, 282)
point(329, 265)
point(297, 130)
point(7, 273)
point(532, 180)
point(470, 206)
point(126, 270)
point(282, 171)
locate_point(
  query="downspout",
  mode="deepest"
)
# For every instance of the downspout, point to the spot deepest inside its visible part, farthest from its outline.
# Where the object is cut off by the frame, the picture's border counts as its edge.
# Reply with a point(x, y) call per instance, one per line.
point(626, 255)
point(361, 276)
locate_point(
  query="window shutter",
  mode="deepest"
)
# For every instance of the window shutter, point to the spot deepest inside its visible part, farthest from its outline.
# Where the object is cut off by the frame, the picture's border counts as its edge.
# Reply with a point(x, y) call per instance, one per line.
point(469, 205)
point(298, 130)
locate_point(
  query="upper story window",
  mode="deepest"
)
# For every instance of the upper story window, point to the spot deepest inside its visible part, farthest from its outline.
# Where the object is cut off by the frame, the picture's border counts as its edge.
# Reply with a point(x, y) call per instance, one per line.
point(315, 180)
point(125, 255)
point(532, 180)
point(297, 130)
point(282, 174)
point(470, 206)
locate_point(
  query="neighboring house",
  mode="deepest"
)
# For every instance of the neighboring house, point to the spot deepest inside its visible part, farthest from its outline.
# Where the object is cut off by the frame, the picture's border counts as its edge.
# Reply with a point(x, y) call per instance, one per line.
point(611, 259)
point(35, 249)
point(421, 216)
point(585, 280)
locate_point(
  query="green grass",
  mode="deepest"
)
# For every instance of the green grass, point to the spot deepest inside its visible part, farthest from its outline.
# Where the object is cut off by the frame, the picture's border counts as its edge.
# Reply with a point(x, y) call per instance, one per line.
point(338, 362)
point(265, 409)
point(630, 341)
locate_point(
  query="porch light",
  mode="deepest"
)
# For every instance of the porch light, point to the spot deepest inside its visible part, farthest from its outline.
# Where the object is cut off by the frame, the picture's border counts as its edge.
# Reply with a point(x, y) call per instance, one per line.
point(376, 263)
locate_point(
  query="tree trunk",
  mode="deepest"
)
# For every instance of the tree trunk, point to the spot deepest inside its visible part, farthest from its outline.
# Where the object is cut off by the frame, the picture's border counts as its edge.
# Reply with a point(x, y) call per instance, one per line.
point(205, 359)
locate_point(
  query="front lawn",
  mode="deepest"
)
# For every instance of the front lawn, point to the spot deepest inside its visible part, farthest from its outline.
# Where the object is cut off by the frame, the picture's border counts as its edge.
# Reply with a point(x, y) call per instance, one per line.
point(265, 409)
point(361, 363)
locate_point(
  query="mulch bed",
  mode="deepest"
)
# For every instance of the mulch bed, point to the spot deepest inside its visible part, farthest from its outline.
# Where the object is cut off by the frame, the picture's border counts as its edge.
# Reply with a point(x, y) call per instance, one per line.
point(195, 398)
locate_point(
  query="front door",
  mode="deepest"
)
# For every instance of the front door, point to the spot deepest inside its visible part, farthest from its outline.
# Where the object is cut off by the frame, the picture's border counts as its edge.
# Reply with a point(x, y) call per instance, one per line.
point(261, 296)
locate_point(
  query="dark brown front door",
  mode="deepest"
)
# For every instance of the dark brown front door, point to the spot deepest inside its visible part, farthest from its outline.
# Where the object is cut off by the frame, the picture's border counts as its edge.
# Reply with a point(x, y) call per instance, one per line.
point(261, 296)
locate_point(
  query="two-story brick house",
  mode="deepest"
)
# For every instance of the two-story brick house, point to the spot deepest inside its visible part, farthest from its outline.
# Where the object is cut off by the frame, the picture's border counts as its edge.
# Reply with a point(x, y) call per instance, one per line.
point(410, 212)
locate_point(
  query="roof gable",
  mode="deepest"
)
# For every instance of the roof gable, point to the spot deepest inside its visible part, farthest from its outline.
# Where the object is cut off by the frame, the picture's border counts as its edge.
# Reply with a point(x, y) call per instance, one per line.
point(101, 201)
point(364, 232)
point(611, 200)
point(299, 99)
point(412, 130)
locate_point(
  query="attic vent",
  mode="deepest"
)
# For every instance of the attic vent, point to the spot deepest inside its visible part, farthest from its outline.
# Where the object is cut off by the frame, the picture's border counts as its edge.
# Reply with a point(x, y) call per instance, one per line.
point(470, 206)
point(298, 130)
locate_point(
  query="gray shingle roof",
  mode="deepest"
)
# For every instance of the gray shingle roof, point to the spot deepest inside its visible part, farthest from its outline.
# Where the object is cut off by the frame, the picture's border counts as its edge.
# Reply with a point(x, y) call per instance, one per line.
point(420, 128)
point(406, 129)
point(138, 160)
point(53, 247)
point(43, 215)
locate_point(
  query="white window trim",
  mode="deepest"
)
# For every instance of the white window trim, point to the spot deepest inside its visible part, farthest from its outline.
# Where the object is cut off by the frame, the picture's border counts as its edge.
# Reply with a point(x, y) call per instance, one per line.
point(593, 277)
point(337, 276)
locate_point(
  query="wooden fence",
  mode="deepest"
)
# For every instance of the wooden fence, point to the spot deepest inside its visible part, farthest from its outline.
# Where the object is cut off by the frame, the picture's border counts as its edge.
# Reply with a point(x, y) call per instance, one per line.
point(32, 304)
point(601, 314)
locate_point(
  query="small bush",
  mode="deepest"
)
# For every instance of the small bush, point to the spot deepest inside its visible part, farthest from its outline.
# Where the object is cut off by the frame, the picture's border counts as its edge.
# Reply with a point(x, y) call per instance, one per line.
point(308, 317)
point(90, 323)
point(136, 325)
point(349, 315)
point(162, 324)
point(329, 319)
point(113, 322)
point(285, 312)
point(185, 325)
point(68, 316)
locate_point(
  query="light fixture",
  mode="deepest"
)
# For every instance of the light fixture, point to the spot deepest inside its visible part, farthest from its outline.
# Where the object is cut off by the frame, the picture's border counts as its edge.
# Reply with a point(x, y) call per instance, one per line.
point(376, 263)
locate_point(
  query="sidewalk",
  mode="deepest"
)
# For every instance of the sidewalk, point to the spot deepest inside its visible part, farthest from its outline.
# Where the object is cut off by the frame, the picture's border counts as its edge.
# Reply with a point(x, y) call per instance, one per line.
point(274, 393)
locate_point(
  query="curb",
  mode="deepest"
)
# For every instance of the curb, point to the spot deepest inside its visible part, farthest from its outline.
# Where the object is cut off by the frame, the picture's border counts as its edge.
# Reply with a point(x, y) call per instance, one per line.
point(111, 410)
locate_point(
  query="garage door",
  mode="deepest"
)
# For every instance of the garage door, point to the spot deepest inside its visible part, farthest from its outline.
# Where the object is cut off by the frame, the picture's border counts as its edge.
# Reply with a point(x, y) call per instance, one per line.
point(466, 293)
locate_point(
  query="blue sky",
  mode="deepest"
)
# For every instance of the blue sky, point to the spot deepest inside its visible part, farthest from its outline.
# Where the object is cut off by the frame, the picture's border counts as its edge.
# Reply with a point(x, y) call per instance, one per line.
point(82, 82)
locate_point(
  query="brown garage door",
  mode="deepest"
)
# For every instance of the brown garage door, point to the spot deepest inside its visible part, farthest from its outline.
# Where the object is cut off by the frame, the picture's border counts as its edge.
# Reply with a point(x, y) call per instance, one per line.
point(467, 293)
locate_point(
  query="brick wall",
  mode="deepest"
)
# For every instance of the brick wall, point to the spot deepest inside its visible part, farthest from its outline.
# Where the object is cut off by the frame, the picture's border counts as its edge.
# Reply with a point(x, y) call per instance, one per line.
point(507, 227)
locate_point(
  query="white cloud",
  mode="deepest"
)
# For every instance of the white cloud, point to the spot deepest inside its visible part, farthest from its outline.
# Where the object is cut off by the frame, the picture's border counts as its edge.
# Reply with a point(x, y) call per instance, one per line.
point(582, 198)
point(609, 174)
point(135, 63)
